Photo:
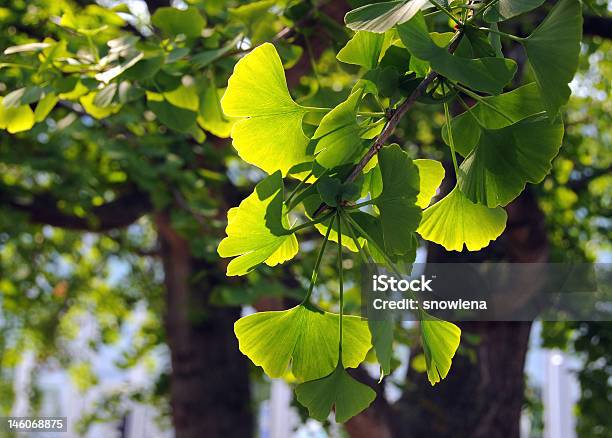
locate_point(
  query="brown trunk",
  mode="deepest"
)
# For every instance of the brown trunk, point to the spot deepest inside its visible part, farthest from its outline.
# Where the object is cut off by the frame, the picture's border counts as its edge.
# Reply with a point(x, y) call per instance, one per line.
point(210, 395)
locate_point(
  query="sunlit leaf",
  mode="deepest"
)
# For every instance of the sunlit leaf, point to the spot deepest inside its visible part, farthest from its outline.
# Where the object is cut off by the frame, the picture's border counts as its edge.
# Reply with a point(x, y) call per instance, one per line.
point(44, 106)
point(210, 115)
point(338, 136)
point(456, 221)
point(380, 17)
point(97, 112)
point(257, 229)
point(440, 342)
point(339, 390)
point(16, 119)
point(431, 174)
point(363, 49)
point(303, 339)
point(271, 137)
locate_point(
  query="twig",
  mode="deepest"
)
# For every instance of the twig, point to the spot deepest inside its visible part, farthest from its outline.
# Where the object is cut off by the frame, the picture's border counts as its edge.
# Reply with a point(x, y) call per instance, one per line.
point(397, 116)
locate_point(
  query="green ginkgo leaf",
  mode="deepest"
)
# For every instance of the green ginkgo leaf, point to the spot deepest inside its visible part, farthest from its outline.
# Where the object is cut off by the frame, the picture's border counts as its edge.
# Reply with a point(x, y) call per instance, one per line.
point(44, 106)
point(489, 75)
point(431, 174)
point(339, 390)
point(553, 49)
point(440, 342)
point(497, 112)
point(503, 10)
point(179, 119)
point(271, 137)
point(16, 119)
point(399, 214)
point(338, 136)
point(456, 221)
point(303, 339)
point(363, 49)
point(98, 112)
point(174, 21)
point(382, 341)
point(257, 229)
point(506, 159)
point(380, 17)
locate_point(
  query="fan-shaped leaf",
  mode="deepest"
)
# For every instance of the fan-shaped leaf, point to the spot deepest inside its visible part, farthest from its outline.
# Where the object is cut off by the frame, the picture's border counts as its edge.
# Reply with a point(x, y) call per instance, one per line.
point(338, 389)
point(484, 74)
point(516, 105)
point(271, 137)
point(496, 171)
point(304, 338)
point(363, 49)
point(456, 221)
point(440, 342)
point(553, 50)
point(16, 119)
point(174, 21)
point(399, 214)
point(256, 229)
point(338, 134)
point(380, 17)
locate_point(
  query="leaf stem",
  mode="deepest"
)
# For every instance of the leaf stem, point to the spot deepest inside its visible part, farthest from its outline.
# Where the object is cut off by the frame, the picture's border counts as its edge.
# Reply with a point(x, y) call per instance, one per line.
point(315, 271)
point(503, 34)
point(446, 12)
point(312, 222)
point(482, 100)
point(340, 282)
point(470, 111)
point(360, 204)
point(483, 9)
point(451, 143)
point(362, 252)
point(371, 113)
point(298, 187)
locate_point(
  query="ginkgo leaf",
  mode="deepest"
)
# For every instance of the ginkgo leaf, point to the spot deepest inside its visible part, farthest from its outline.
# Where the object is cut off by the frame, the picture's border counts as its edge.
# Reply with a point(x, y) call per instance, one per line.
point(382, 341)
point(185, 97)
point(380, 17)
point(96, 111)
point(304, 339)
point(174, 21)
point(456, 221)
point(553, 49)
point(257, 229)
point(44, 106)
point(271, 137)
point(515, 105)
point(503, 10)
point(489, 75)
point(339, 390)
point(210, 115)
point(16, 119)
point(179, 119)
point(399, 214)
point(338, 134)
point(431, 174)
point(440, 342)
point(506, 159)
point(363, 49)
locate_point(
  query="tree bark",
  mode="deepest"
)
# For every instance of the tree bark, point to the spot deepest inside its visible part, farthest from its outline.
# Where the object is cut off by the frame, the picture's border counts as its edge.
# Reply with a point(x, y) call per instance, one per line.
point(210, 395)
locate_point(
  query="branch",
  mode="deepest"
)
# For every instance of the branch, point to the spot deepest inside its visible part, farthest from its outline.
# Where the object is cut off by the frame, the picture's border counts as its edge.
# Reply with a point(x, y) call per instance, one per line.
point(397, 116)
point(42, 209)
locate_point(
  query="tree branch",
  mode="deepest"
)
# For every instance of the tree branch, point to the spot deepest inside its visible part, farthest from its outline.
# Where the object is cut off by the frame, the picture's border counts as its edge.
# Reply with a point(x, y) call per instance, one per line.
point(42, 209)
point(397, 116)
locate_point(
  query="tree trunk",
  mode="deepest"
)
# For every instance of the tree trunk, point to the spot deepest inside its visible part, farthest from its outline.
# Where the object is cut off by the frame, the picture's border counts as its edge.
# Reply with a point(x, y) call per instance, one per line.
point(210, 395)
